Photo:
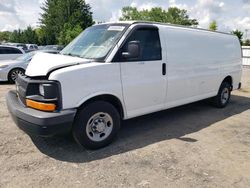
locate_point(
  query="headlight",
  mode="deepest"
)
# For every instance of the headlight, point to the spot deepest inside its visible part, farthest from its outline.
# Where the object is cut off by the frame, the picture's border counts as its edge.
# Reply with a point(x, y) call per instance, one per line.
point(41, 89)
point(3, 66)
point(48, 91)
point(43, 96)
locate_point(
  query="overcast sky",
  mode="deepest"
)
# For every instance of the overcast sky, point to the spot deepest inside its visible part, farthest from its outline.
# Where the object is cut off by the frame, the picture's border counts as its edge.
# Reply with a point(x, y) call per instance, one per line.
point(230, 14)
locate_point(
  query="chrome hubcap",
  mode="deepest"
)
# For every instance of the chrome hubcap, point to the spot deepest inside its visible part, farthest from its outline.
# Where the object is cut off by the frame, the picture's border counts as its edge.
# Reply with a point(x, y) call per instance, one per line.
point(15, 73)
point(99, 126)
point(225, 95)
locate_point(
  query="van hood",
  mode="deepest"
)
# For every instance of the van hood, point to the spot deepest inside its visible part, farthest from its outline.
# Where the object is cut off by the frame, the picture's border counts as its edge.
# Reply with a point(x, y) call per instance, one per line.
point(43, 63)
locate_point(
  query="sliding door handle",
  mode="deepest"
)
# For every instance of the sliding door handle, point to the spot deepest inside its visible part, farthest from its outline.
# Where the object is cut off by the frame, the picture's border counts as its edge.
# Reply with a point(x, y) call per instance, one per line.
point(164, 69)
point(141, 63)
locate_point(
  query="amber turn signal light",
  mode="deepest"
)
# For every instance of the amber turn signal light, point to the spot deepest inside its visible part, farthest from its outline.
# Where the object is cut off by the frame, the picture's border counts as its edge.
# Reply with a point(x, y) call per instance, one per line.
point(48, 107)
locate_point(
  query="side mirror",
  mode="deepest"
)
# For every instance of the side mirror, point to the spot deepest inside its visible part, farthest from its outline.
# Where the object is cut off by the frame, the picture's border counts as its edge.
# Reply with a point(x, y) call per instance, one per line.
point(133, 50)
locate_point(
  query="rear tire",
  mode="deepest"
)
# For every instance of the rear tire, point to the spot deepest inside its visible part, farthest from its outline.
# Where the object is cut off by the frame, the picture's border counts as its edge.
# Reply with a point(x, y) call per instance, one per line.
point(222, 98)
point(96, 125)
point(13, 75)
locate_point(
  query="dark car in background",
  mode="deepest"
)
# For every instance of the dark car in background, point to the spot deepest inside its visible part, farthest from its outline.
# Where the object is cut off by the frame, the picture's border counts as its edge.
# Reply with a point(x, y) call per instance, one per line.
point(32, 47)
point(18, 45)
point(23, 46)
point(53, 47)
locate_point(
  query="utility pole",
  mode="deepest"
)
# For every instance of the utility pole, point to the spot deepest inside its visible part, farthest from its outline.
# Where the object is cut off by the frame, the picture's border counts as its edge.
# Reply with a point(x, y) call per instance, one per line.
point(246, 30)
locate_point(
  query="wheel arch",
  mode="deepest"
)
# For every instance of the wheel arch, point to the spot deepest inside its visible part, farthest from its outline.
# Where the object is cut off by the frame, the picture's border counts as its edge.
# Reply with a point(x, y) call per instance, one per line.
point(112, 99)
point(16, 68)
point(228, 79)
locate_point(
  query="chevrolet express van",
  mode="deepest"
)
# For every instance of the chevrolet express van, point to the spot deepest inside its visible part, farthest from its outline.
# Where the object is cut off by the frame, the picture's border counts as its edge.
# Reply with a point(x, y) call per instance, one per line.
point(116, 71)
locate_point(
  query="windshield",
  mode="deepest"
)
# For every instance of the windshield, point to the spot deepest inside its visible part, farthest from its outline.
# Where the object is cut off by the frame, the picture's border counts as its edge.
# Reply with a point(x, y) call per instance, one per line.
point(95, 42)
point(26, 57)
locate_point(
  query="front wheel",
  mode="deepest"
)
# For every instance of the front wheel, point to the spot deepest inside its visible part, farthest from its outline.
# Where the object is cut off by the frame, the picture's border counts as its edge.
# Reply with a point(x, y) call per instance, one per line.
point(222, 98)
point(96, 125)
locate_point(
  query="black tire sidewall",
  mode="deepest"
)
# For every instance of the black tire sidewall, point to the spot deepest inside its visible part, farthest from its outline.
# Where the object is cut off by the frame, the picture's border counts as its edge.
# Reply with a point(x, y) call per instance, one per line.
point(218, 101)
point(82, 117)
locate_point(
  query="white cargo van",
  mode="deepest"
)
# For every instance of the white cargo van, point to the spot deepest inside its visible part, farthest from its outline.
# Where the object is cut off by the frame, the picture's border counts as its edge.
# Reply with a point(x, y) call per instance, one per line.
point(117, 71)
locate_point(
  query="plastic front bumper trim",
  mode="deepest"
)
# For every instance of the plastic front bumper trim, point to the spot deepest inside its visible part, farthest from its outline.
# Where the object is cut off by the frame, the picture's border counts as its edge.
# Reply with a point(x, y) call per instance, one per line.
point(36, 122)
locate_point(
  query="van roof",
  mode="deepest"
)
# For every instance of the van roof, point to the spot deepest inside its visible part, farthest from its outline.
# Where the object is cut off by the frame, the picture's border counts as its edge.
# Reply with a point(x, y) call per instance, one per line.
point(168, 24)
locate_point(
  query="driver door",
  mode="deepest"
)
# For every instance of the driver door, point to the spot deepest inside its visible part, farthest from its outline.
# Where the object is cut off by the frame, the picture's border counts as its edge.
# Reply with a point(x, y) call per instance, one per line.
point(143, 78)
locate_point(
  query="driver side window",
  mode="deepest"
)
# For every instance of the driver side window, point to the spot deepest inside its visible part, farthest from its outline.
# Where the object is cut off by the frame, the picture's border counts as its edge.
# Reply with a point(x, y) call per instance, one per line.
point(150, 46)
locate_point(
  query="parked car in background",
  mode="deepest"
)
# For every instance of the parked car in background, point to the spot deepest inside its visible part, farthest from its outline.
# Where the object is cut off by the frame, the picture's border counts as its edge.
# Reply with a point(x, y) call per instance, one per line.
point(53, 47)
point(10, 52)
point(32, 47)
point(40, 47)
point(19, 45)
point(9, 69)
point(50, 51)
point(23, 46)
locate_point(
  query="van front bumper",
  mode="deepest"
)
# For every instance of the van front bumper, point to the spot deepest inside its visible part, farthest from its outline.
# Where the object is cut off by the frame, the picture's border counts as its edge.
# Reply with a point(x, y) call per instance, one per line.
point(37, 122)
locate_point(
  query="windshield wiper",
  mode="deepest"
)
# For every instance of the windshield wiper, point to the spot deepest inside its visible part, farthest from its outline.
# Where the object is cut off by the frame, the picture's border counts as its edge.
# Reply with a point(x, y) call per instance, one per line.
point(73, 55)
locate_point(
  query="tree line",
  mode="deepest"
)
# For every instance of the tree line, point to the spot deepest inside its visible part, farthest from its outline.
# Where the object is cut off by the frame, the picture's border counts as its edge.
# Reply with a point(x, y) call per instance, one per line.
point(62, 20)
point(213, 27)
point(28, 36)
point(172, 15)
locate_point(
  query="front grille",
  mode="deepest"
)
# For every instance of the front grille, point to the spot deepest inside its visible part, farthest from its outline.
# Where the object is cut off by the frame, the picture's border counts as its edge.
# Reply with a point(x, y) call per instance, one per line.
point(27, 87)
point(21, 88)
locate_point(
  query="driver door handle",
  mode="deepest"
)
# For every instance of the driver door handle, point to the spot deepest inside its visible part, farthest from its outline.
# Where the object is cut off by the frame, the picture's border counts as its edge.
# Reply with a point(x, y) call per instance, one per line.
point(164, 69)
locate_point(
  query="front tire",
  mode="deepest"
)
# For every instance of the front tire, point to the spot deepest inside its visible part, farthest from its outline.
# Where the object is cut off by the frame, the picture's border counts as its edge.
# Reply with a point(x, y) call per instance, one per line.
point(13, 74)
point(96, 125)
point(222, 98)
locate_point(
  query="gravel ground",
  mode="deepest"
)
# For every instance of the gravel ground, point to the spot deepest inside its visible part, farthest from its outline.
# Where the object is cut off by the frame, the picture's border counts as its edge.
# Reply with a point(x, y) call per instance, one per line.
point(195, 145)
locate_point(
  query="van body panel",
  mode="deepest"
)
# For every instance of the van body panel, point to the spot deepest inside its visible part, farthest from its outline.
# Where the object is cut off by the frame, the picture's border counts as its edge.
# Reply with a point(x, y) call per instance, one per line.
point(197, 61)
point(144, 86)
point(80, 83)
point(43, 63)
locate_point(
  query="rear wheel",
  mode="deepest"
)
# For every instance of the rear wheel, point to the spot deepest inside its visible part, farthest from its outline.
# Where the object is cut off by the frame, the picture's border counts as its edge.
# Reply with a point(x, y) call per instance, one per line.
point(96, 125)
point(13, 74)
point(223, 96)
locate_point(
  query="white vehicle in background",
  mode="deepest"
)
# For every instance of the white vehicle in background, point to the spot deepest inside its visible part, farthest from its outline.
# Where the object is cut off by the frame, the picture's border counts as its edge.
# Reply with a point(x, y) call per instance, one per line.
point(246, 55)
point(10, 52)
point(32, 47)
point(117, 71)
point(53, 49)
point(10, 69)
